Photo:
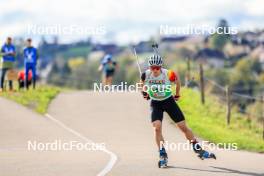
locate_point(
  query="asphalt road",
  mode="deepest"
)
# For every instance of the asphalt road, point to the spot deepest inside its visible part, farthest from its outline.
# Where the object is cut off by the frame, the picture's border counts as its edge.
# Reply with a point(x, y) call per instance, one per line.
point(120, 121)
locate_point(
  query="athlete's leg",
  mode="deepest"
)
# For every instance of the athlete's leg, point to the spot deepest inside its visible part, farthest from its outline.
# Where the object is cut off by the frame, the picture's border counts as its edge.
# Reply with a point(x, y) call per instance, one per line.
point(3, 73)
point(10, 82)
point(104, 79)
point(177, 116)
point(20, 84)
point(157, 125)
point(109, 80)
point(187, 131)
point(156, 119)
point(27, 68)
point(34, 76)
point(190, 136)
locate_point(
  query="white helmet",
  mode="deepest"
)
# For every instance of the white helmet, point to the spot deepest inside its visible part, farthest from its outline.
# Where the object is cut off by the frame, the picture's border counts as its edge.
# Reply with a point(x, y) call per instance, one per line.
point(155, 60)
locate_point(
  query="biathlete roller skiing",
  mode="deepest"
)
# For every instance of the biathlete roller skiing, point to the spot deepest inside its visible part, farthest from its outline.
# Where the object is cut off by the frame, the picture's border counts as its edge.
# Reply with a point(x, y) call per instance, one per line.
point(108, 67)
point(156, 87)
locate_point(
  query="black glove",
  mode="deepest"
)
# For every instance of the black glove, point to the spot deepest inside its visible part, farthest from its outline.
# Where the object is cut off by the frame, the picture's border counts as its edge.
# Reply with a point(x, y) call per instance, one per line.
point(177, 97)
point(145, 95)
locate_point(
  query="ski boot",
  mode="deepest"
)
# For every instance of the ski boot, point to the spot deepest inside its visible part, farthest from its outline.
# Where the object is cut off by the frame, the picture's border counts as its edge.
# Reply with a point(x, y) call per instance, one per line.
point(205, 155)
point(163, 159)
point(202, 154)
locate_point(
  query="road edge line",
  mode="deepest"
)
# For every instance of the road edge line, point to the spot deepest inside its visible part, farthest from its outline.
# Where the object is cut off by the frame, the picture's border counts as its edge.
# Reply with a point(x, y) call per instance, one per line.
point(113, 156)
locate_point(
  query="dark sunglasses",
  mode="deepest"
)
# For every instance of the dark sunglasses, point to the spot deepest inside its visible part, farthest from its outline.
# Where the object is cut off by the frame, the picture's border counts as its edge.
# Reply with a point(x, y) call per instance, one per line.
point(155, 67)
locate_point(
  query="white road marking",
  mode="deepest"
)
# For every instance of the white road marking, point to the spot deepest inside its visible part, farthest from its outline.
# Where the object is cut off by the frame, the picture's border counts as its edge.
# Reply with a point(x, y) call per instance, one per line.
point(113, 157)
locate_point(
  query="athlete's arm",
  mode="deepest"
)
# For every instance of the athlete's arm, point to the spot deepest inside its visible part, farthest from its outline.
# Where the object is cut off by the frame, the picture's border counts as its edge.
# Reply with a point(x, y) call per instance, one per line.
point(3, 51)
point(13, 53)
point(143, 77)
point(173, 77)
point(100, 67)
point(178, 86)
point(116, 65)
point(142, 81)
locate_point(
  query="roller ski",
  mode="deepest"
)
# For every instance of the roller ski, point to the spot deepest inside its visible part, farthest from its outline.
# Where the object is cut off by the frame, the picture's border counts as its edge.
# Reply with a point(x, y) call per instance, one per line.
point(163, 159)
point(202, 154)
point(206, 155)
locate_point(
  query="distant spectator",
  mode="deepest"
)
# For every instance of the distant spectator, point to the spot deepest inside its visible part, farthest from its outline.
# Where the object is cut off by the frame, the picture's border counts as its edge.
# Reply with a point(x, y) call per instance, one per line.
point(8, 53)
point(30, 61)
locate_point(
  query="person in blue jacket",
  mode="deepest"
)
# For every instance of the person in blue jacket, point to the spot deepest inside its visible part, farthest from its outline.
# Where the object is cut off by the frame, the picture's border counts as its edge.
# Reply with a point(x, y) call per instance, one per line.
point(108, 66)
point(30, 61)
point(8, 53)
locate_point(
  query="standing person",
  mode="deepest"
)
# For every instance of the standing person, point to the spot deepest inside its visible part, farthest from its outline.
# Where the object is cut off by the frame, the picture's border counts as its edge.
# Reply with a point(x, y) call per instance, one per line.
point(30, 61)
point(8, 53)
point(108, 67)
point(158, 81)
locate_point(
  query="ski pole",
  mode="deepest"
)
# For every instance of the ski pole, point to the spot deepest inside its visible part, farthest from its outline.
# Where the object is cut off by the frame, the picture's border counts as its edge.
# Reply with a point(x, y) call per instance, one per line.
point(139, 69)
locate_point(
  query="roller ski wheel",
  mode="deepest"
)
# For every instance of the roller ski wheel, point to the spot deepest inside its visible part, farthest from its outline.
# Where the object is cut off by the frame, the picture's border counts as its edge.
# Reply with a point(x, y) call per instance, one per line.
point(206, 155)
point(163, 163)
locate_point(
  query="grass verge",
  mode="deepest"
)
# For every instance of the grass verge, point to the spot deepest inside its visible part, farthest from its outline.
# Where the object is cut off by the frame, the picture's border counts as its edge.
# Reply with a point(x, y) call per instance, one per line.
point(208, 121)
point(37, 100)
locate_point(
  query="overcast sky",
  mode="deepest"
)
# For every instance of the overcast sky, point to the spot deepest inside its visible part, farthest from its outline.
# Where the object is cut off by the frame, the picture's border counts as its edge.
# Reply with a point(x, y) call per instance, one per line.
point(125, 20)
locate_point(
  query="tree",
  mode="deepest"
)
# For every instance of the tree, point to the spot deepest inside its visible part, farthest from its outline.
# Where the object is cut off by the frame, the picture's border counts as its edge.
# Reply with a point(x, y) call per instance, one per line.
point(244, 76)
point(221, 37)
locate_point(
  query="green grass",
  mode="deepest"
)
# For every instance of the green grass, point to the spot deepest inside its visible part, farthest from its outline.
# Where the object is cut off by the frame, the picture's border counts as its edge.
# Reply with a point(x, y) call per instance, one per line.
point(208, 122)
point(37, 100)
